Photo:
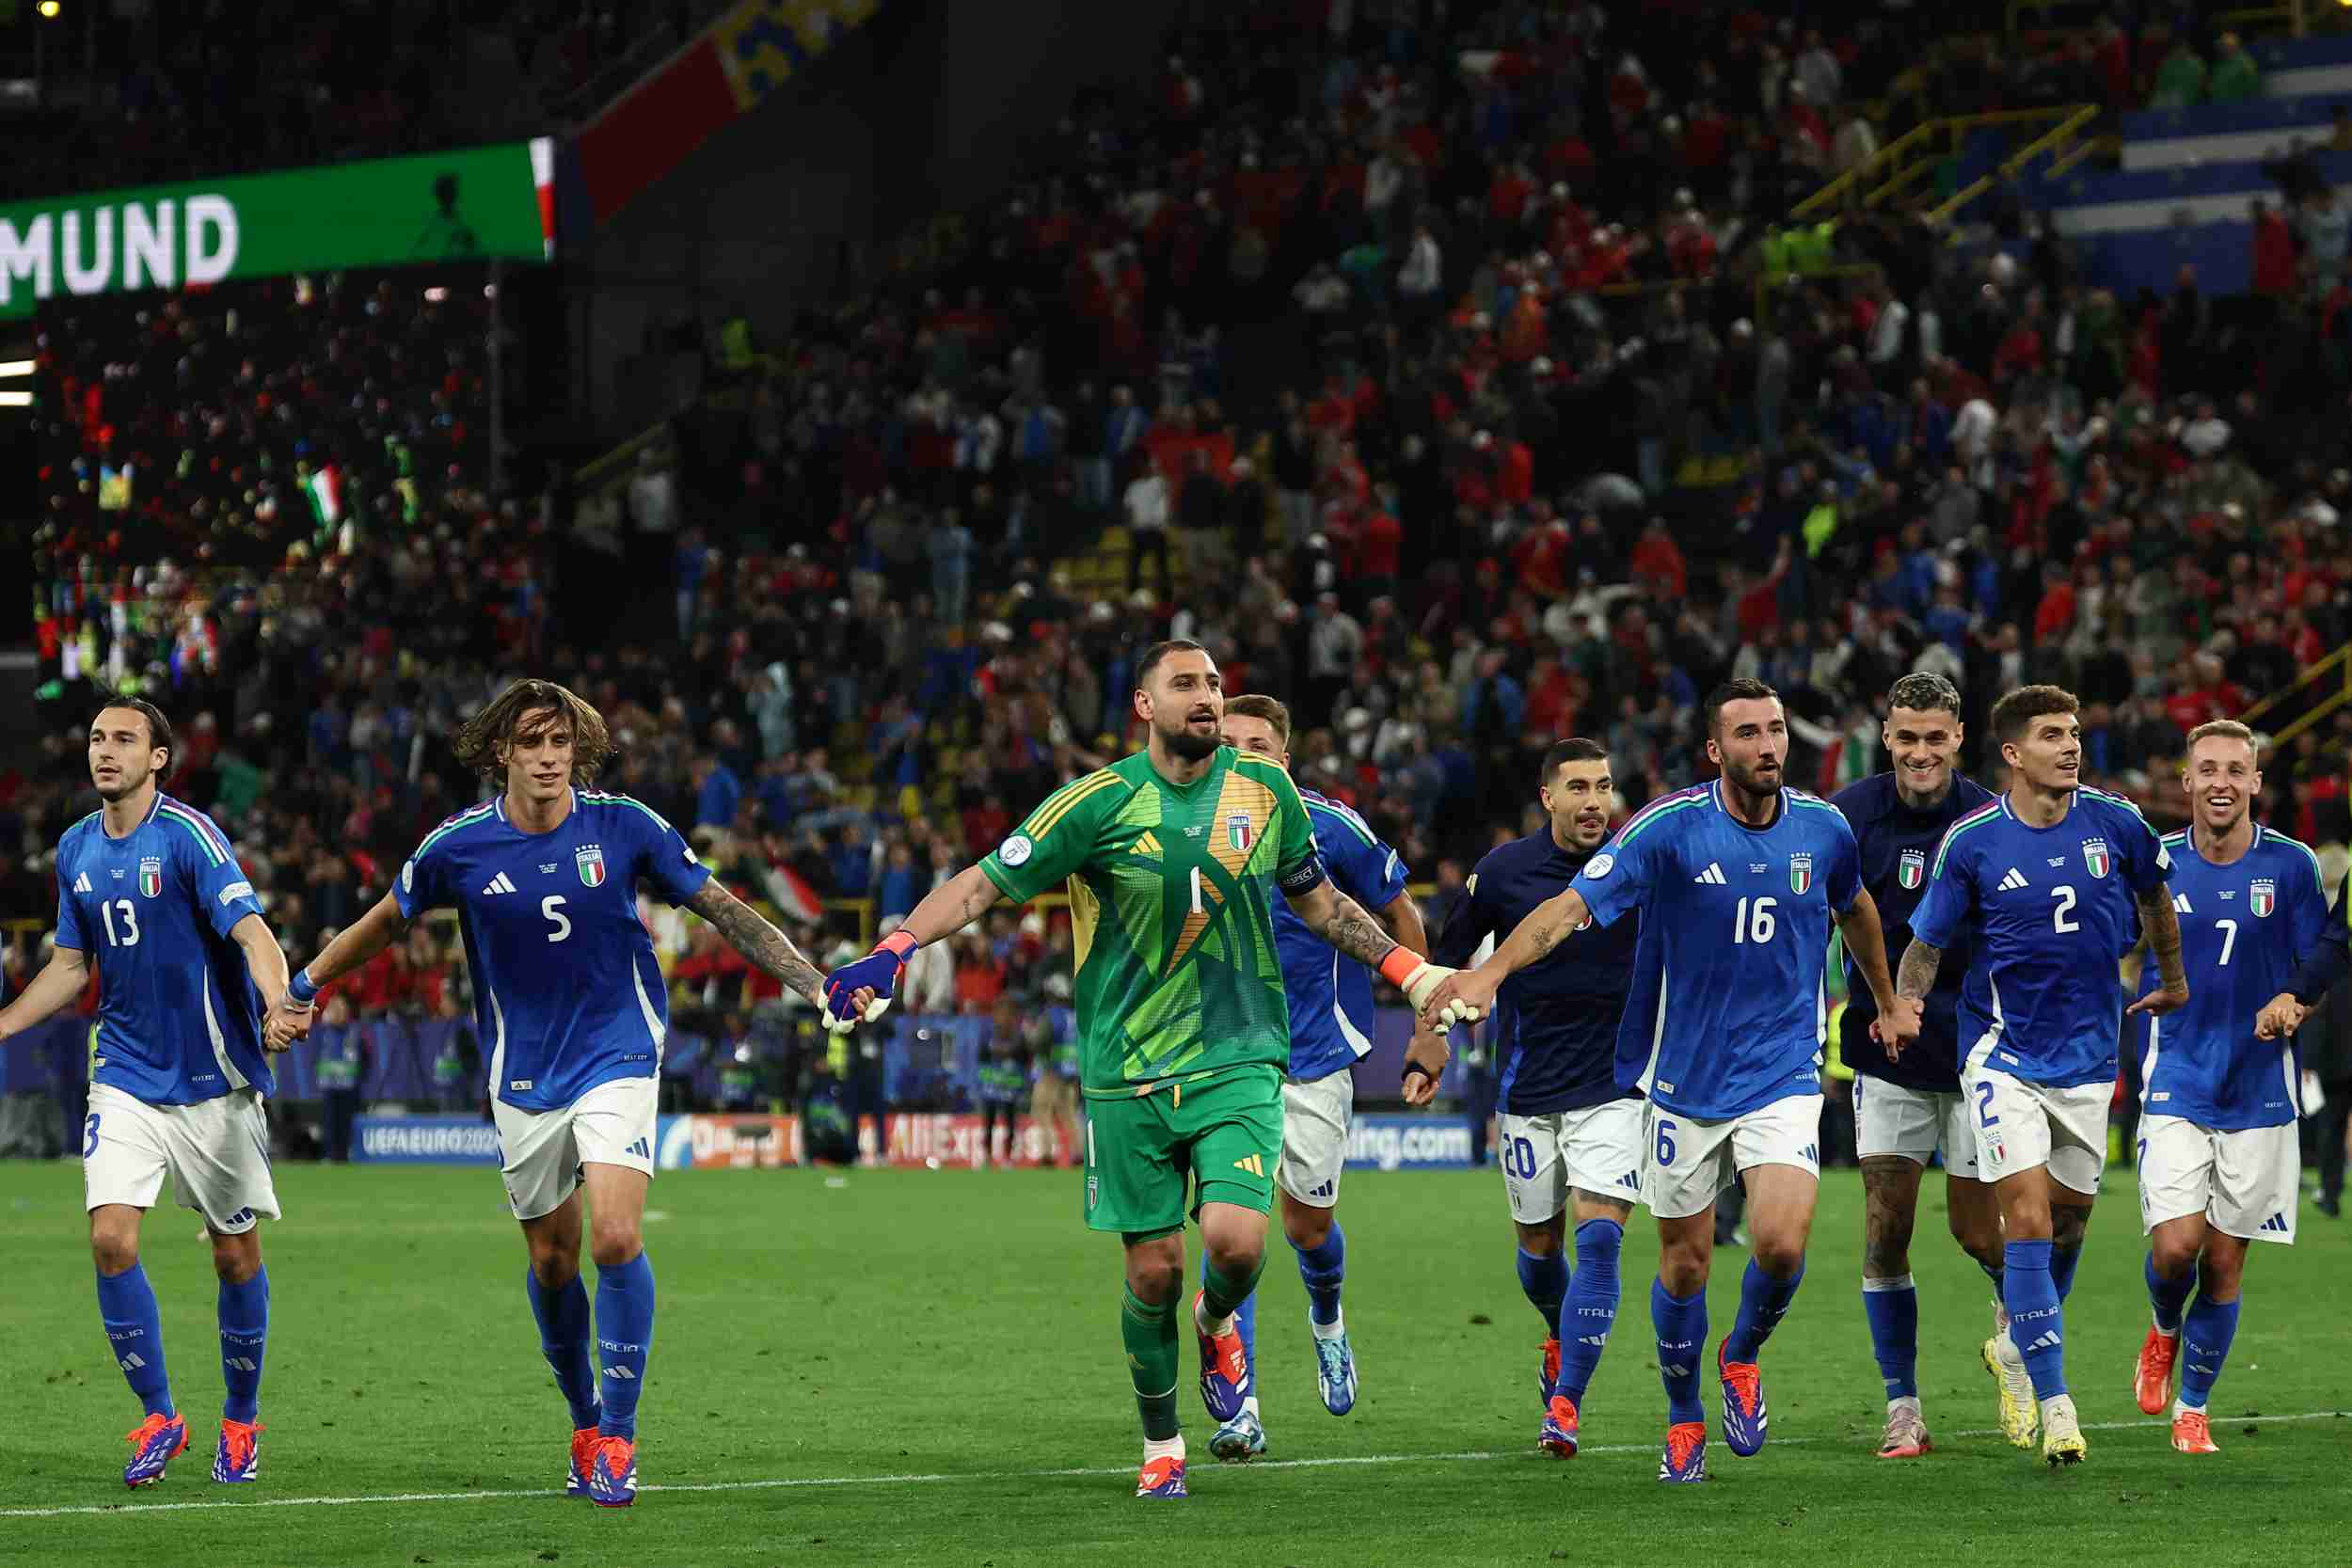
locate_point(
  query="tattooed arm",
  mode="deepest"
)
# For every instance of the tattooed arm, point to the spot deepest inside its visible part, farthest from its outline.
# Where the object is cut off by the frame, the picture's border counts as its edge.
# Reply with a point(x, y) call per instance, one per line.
point(1917, 975)
point(1344, 923)
point(2161, 928)
point(749, 934)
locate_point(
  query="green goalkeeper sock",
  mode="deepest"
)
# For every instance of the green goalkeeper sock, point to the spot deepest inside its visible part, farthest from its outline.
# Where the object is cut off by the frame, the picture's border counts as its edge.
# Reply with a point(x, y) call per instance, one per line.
point(1222, 1293)
point(1150, 1334)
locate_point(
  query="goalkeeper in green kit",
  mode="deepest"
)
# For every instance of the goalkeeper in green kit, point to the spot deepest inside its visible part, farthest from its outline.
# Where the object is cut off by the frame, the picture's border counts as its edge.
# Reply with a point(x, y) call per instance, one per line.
point(1173, 858)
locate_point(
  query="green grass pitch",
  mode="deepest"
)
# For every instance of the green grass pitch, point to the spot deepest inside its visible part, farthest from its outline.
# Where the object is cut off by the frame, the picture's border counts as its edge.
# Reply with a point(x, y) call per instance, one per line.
point(924, 1367)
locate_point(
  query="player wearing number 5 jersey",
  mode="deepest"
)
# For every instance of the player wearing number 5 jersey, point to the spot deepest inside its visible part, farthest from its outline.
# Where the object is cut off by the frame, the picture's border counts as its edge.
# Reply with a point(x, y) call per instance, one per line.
point(2218, 1166)
point(149, 891)
point(2044, 882)
point(572, 1013)
point(1738, 883)
point(1172, 858)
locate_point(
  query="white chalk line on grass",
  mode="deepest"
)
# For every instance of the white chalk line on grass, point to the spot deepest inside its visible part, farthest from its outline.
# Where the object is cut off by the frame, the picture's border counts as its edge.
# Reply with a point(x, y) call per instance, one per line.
point(922, 1478)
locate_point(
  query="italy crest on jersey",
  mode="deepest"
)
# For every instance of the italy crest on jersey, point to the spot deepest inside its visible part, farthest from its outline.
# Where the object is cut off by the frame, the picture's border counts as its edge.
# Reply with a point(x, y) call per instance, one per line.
point(2262, 897)
point(152, 876)
point(2095, 856)
point(590, 859)
point(1801, 873)
point(1237, 831)
point(1911, 868)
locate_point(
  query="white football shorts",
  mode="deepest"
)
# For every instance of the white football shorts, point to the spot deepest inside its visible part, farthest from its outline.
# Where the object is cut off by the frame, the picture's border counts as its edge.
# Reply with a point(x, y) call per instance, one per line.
point(1912, 1124)
point(1315, 1118)
point(2019, 1125)
point(216, 1152)
point(1597, 1148)
point(2246, 1184)
point(1686, 1161)
point(542, 1151)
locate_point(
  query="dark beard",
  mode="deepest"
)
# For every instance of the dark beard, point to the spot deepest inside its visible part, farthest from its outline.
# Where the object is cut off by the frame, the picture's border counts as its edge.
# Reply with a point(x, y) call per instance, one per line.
point(1745, 782)
point(1192, 748)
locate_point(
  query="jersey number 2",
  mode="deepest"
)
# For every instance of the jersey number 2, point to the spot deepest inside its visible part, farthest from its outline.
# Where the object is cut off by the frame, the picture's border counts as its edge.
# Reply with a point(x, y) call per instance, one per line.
point(2062, 918)
point(553, 907)
point(129, 936)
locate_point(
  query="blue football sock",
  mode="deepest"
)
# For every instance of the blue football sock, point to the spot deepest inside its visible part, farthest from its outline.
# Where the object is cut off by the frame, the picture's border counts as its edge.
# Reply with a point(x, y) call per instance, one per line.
point(1763, 1301)
point(1681, 1325)
point(2034, 1321)
point(2205, 1336)
point(1892, 1306)
point(623, 1339)
point(563, 1336)
point(243, 1331)
point(1245, 1325)
point(2062, 1263)
point(1321, 1269)
point(126, 1306)
point(1591, 1307)
point(1545, 1281)
point(2168, 1296)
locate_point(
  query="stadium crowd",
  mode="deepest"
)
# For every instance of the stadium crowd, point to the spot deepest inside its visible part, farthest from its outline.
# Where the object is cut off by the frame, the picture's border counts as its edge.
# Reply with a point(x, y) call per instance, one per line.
point(1326, 317)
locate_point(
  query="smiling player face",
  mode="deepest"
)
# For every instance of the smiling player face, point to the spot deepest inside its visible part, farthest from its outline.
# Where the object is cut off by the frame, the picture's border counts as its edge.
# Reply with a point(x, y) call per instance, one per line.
point(1184, 704)
point(539, 758)
point(1750, 738)
point(1578, 800)
point(2222, 780)
point(1923, 742)
point(2049, 755)
point(122, 755)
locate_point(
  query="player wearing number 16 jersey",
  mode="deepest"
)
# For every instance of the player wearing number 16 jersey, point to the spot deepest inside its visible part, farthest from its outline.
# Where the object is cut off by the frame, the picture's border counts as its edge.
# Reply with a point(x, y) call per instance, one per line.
point(572, 1013)
point(148, 890)
point(1738, 883)
point(2043, 881)
point(2218, 1166)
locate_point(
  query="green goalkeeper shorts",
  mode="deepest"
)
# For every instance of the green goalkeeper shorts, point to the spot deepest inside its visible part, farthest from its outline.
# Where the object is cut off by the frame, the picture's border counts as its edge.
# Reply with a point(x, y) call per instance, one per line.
point(1222, 1137)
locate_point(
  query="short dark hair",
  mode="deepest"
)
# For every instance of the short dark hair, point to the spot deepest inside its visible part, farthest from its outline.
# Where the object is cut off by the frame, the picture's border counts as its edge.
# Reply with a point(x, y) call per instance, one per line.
point(1924, 692)
point(1158, 651)
point(479, 740)
point(1575, 748)
point(1254, 704)
point(2021, 708)
point(1742, 688)
point(158, 727)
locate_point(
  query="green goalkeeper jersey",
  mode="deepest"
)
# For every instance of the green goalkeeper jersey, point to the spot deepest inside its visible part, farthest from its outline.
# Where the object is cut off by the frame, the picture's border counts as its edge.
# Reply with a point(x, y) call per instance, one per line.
point(1171, 891)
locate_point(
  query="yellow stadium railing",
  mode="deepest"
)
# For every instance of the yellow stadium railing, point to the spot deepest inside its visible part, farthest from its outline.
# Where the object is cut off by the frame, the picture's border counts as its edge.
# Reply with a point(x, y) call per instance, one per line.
point(1901, 162)
point(2325, 686)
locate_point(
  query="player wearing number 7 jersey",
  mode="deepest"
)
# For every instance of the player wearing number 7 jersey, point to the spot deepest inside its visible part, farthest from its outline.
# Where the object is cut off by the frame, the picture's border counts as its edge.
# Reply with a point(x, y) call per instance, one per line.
point(149, 889)
point(2044, 880)
point(1738, 883)
point(572, 1013)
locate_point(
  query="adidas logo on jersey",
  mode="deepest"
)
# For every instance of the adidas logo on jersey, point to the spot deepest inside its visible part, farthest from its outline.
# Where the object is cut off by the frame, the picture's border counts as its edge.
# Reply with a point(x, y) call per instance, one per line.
point(81, 883)
point(500, 883)
point(2180, 902)
point(2276, 1222)
point(1713, 876)
point(1254, 1165)
point(2014, 881)
point(1147, 845)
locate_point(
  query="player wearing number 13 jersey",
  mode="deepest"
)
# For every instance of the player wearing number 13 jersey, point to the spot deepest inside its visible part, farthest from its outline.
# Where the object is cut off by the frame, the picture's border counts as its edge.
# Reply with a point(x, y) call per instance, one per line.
point(2044, 882)
point(571, 1009)
point(1172, 858)
point(1738, 883)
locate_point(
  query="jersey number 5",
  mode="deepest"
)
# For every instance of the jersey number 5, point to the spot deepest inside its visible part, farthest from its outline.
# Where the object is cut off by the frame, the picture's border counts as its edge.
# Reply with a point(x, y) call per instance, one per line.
point(553, 907)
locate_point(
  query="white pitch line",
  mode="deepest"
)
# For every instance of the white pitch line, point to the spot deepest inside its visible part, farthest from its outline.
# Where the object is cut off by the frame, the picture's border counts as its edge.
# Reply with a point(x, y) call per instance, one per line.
point(916, 1479)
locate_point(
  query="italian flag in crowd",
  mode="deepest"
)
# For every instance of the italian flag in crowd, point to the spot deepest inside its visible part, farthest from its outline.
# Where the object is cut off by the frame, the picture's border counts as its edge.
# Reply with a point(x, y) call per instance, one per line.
point(326, 489)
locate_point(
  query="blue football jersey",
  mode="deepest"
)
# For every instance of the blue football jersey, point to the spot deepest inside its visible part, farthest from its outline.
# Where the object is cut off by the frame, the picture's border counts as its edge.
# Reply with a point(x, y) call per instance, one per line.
point(1896, 844)
point(1331, 996)
point(1730, 1011)
point(179, 1017)
point(1554, 1029)
point(568, 994)
point(2243, 927)
point(2048, 913)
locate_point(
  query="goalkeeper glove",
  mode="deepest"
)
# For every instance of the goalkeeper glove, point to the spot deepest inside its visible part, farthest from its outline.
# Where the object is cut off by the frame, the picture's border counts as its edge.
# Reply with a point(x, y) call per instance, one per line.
point(878, 972)
point(1416, 977)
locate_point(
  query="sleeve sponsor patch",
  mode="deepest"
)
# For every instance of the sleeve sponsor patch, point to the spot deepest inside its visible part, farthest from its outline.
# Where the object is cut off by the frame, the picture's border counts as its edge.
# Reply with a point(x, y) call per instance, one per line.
point(1014, 850)
point(235, 890)
point(1601, 865)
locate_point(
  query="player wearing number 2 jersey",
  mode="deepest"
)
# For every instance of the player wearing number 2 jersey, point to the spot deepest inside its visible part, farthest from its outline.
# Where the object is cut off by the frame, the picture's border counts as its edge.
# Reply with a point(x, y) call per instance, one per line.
point(1738, 883)
point(572, 1013)
point(2043, 881)
point(1172, 858)
point(149, 891)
